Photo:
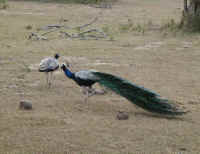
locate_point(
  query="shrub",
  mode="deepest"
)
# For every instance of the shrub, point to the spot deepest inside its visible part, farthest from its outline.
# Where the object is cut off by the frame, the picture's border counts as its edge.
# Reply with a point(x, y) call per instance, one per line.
point(170, 25)
point(3, 4)
point(88, 1)
point(191, 24)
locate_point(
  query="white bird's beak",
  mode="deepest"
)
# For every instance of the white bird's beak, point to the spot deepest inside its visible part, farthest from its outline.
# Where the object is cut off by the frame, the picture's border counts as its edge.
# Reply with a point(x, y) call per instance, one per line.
point(67, 64)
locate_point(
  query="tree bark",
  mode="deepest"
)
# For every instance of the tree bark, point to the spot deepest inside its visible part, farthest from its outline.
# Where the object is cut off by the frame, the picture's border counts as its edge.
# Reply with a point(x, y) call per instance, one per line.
point(191, 15)
point(194, 7)
point(185, 6)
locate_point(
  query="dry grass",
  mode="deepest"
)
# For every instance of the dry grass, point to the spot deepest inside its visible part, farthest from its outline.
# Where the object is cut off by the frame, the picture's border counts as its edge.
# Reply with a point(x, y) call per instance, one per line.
point(60, 121)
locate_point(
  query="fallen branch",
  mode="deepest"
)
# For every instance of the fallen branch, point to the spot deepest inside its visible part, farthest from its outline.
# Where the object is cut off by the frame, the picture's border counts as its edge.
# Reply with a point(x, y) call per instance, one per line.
point(85, 25)
point(66, 34)
point(80, 34)
point(38, 37)
point(93, 30)
point(54, 30)
point(62, 26)
point(51, 27)
point(83, 36)
point(102, 6)
point(71, 36)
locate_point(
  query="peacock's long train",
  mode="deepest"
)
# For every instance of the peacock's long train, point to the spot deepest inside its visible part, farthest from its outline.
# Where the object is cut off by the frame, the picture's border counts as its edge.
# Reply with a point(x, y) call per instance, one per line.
point(137, 95)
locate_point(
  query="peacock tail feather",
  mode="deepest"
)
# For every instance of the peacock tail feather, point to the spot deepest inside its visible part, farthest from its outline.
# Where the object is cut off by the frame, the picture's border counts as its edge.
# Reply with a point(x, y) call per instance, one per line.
point(137, 95)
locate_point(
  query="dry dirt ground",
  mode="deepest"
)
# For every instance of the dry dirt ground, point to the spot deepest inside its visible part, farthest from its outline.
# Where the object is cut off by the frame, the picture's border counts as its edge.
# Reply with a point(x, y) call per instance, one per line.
point(60, 121)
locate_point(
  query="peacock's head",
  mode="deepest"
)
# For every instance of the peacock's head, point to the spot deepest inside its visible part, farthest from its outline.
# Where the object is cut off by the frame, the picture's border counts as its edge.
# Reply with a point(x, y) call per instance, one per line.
point(64, 66)
point(56, 55)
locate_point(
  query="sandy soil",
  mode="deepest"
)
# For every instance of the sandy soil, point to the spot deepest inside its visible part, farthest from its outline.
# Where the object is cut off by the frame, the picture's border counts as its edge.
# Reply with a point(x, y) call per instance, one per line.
point(60, 121)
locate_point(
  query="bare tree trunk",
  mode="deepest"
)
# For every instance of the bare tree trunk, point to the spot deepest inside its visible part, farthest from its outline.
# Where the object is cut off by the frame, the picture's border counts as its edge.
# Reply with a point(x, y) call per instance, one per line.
point(191, 15)
point(185, 6)
point(194, 7)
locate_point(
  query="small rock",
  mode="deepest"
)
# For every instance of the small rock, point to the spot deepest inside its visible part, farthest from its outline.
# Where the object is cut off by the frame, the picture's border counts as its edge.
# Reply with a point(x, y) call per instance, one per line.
point(193, 102)
point(25, 105)
point(122, 115)
point(186, 46)
point(183, 149)
point(28, 27)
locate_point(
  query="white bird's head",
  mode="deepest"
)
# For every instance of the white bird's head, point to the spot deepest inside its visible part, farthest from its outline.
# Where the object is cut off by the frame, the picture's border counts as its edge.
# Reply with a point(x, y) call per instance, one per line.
point(56, 56)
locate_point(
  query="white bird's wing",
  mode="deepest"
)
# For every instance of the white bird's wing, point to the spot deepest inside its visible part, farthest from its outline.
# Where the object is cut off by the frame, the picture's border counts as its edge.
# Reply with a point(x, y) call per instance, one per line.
point(48, 64)
point(86, 75)
point(53, 63)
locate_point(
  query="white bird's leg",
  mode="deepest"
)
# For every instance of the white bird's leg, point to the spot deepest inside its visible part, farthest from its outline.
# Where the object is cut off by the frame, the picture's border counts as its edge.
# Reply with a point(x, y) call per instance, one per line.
point(53, 78)
point(50, 78)
point(47, 78)
point(87, 96)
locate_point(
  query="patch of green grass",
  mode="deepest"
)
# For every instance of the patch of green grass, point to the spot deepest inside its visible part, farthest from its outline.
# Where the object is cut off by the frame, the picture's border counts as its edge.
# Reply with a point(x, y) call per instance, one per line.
point(126, 27)
point(131, 27)
point(84, 1)
point(75, 1)
point(89, 1)
point(191, 24)
point(139, 28)
point(109, 32)
point(3, 4)
point(170, 25)
point(25, 68)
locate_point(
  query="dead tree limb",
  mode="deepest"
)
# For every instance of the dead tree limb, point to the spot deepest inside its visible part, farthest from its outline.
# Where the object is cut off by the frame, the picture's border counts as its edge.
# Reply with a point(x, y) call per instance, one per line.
point(54, 30)
point(51, 27)
point(185, 6)
point(38, 37)
point(92, 30)
point(80, 34)
point(66, 34)
point(85, 25)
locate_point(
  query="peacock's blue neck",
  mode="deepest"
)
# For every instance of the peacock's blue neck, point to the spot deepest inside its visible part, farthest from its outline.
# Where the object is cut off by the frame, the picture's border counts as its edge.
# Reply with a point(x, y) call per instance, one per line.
point(68, 73)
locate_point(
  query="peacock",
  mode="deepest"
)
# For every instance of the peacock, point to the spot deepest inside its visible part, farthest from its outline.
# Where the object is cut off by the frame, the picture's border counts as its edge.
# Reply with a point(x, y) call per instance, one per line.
point(142, 97)
point(49, 65)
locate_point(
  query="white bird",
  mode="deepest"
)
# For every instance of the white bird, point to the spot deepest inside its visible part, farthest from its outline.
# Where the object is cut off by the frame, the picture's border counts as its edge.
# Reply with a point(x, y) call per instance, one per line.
point(49, 65)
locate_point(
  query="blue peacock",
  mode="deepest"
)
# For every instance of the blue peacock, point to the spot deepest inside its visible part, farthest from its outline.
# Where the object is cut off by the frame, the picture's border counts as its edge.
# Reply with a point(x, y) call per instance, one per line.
point(144, 98)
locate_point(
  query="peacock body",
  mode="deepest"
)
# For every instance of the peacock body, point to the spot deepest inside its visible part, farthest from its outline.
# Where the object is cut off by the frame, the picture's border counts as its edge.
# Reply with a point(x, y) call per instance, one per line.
point(142, 97)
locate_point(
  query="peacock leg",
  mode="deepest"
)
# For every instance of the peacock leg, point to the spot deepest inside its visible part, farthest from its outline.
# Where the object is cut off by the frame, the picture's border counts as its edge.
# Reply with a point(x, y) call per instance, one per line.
point(87, 96)
point(86, 93)
point(91, 91)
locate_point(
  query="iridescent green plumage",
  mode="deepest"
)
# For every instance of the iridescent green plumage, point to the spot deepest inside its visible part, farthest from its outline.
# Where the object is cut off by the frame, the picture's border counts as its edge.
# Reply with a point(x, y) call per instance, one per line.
point(139, 96)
